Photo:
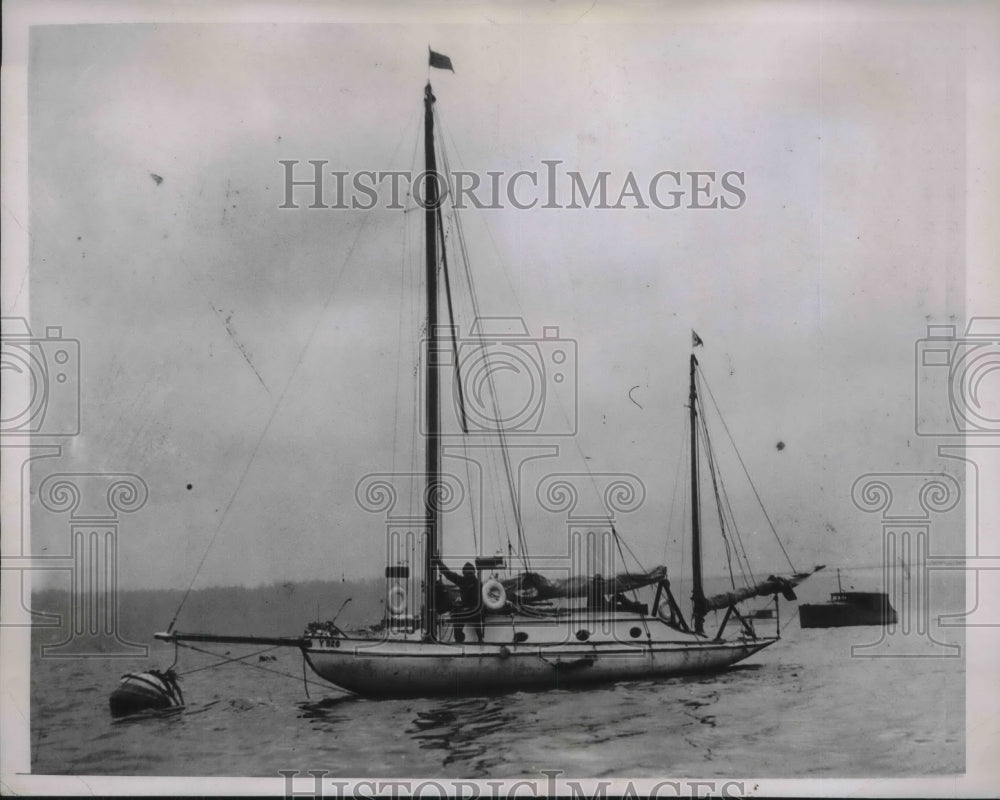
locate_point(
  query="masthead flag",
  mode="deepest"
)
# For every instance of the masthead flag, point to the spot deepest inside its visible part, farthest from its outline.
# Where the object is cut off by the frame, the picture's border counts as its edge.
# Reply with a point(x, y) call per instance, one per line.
point(696, 339)
point(439, 61)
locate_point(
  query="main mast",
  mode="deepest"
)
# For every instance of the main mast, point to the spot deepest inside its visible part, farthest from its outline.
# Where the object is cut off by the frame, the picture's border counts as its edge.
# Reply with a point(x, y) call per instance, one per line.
point(698, 593)
point(433, 450)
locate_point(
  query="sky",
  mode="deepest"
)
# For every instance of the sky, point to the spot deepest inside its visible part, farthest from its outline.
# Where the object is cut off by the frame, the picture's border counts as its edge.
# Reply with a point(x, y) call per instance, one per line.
point(253, 363)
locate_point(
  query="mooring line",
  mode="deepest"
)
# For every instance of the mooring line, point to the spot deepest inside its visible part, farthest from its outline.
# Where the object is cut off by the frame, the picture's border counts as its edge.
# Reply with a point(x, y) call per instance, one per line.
point(240, 660)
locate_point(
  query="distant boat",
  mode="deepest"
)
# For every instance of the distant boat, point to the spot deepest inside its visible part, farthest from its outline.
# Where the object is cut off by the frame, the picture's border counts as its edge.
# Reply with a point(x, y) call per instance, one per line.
point(848, 608)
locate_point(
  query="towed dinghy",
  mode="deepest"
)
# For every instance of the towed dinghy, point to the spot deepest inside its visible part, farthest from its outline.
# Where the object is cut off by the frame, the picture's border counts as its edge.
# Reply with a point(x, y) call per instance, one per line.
point(146, 691)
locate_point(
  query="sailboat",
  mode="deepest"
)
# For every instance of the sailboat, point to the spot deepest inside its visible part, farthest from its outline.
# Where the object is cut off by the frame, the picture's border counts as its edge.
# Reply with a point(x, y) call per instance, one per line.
point(534, 634)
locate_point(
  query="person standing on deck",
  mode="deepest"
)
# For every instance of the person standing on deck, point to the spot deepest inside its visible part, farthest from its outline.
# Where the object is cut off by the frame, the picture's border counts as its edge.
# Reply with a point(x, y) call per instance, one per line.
point(471, 590)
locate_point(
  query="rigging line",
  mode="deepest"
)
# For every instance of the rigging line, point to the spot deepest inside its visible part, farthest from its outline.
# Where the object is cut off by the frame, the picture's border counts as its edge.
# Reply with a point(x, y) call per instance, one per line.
point(718, 501)
point(621, 541)
point(722, 500)
point(685, 521)
point(747, 473)
point(496, 496)
point(492, 472)
point(468, 461)
point(406, 254)
point(407, 270)
point(458, 369)
point(496, 249)
point(270, 420)
point(420, 321)
point(226, 660)
point(727, 508)
point(258, 666)
point(462, 243)
point(492, 468)
point(734, 527)
point(399, 338)
point(415, 400)
point(499, 505)
point(515, 500)
point(451, 318)
point(635, 589)
point(277, 405)
point(673, 501)
point(509, 474)
point(472, 509)
point(443, 267)
point(508, 470)
point(476, 314)
point(741, 553)
point(558, 402)
point(618, 544)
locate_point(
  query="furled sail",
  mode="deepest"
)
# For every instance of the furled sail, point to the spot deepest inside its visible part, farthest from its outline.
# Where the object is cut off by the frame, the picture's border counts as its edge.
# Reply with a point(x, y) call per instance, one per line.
point(773, 585)
point(531, 586)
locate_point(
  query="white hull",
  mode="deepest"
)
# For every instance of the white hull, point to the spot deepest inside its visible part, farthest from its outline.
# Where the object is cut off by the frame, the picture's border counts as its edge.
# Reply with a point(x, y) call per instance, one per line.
point(407, 667)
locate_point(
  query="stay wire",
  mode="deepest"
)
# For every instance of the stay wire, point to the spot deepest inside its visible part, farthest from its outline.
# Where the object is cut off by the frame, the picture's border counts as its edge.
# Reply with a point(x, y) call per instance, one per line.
point(458, 366)
point(243, 663)
point(673, 499)
point(403, 275)
point(498, 504)
point(718, 502)
point(508, 471)
point(735, 528)
point(276, 407)
point(224, 659)
point(490, 474)
point(622, 542)
point(741, 553)
point(747, 473)
point(724, 506)
point(635, 589)
point(510, 480)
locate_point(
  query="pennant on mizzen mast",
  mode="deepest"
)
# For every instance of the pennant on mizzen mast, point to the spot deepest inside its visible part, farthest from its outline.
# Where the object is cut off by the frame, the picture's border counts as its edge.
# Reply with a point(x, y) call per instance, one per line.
point(696, 339)
point(439, 61)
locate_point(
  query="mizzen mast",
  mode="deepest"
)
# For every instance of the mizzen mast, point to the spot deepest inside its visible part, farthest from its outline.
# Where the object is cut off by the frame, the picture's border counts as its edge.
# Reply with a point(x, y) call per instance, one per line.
point(698, 593)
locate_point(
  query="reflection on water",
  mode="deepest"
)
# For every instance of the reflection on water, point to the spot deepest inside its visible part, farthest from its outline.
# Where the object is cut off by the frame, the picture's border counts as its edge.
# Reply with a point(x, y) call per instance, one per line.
point(462, 729)
point(151, 713)
point(325, 713)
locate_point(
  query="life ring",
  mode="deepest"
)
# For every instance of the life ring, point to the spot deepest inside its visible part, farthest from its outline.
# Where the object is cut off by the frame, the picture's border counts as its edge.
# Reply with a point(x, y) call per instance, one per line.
point(397, 600)
point(494, 595)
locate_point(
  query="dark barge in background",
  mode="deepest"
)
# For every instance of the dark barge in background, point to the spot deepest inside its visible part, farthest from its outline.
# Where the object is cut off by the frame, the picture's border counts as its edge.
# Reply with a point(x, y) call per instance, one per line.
point(848, 608)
